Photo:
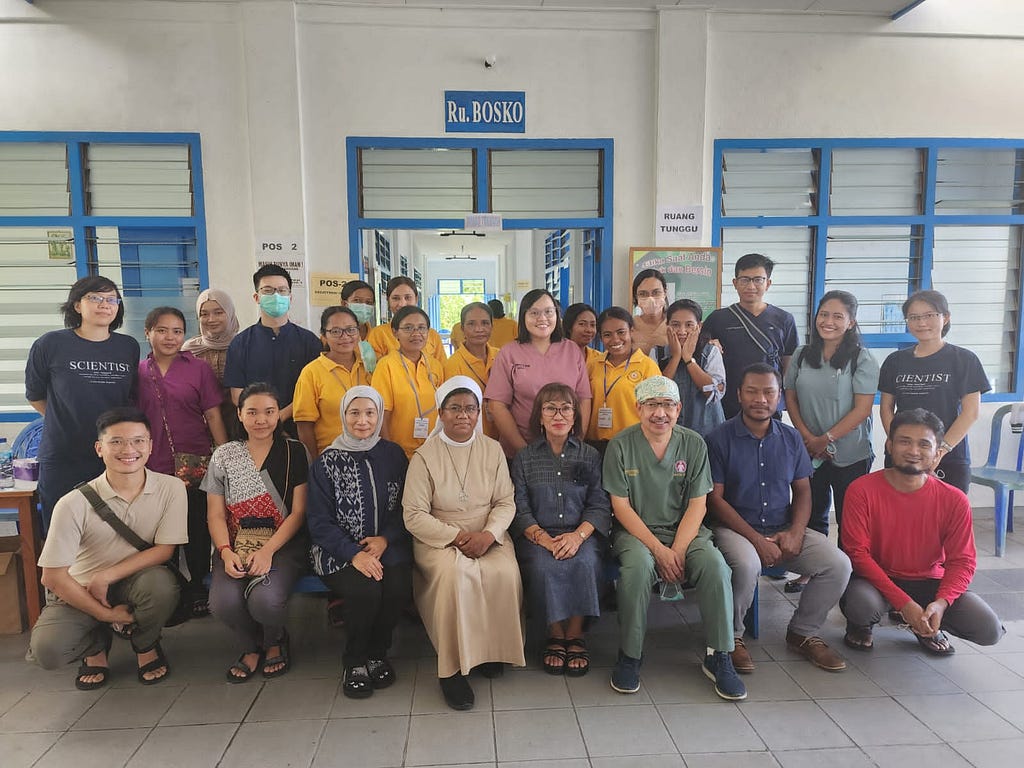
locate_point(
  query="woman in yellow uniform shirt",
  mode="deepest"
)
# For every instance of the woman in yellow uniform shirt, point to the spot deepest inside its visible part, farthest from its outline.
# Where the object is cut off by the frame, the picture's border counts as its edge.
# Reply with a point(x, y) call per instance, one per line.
point(614, 376)
point(323, 383)
point(401, 292)
point(580, 325)
point(475, 356)
point(407, 379)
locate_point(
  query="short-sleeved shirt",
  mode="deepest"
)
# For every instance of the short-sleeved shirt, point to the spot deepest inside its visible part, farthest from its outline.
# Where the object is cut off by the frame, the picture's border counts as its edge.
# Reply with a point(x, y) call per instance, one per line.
point(936, 383)
point(318, 394)
point(79, 379)
point(259, 354)
point(382, 339)
point(79, 539)
point(825, 396)
point(503, 331)
point(520, 371)
point(659, 491)
point(465, 363)
point(182, 395)
point(614, 386)
point(757, 473)
point(407, 389)
point(739, 350)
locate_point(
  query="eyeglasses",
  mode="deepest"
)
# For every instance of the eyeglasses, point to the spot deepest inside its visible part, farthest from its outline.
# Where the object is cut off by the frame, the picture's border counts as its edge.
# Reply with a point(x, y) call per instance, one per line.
point(689, 325)
point(117, 443)
point(96, 299)
point(758, 281)
point(924, 317)
point(458, 410)
point(337, 333)
point(268, 291)
point(414, 329)
point(566, 410)
point(655, 294)
point(655, 405)
point(536, 314)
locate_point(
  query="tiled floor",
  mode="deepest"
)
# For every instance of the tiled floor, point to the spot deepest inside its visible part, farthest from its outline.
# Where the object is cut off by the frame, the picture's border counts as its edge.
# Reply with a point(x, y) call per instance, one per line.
point(891, 707)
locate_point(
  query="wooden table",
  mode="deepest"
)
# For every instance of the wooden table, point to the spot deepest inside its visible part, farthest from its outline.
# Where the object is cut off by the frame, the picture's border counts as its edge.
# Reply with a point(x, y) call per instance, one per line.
point(28, 530)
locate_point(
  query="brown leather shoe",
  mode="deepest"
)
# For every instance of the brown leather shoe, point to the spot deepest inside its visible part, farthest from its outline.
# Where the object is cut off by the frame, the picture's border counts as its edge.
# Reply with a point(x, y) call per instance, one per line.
point(815, 650)
point(741, 660)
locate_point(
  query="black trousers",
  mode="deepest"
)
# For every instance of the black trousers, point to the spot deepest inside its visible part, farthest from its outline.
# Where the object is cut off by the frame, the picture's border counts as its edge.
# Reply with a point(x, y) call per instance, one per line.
point(371, 609)
point(197, 551)
point(829, 483)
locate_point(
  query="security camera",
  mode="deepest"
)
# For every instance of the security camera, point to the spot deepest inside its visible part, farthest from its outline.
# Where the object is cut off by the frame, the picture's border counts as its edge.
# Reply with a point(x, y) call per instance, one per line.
point(490, 61)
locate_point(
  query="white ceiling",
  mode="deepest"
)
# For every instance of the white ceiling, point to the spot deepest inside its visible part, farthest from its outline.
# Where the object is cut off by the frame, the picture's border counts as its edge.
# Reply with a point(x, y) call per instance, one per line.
point(865, 7)
point(491, 247)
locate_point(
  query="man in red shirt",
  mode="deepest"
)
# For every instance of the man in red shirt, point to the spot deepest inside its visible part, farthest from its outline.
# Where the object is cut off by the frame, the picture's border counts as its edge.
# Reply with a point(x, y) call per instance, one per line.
point(910, 540)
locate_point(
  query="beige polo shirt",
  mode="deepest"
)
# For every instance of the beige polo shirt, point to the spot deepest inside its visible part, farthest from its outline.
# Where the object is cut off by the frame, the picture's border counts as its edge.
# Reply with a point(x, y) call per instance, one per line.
point(80, 540)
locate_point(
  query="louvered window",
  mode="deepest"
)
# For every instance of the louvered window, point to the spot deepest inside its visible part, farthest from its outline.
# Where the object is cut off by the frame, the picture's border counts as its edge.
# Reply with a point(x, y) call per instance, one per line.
point(546, 184)
point(139, 180)
point(34, 180)
point(876, 182)
point(780, 182)
point(416, 183)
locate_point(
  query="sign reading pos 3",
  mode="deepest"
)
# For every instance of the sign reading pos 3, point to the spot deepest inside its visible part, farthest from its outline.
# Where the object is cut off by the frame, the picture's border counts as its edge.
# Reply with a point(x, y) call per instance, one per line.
point(485, 111)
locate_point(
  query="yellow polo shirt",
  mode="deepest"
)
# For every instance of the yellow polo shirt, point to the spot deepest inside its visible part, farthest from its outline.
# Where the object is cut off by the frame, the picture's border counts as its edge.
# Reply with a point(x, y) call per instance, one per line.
point(383, 341)
point(465, 363)
point(503, 330)
point(400, 382)
point(614, 386)
point(319, 391)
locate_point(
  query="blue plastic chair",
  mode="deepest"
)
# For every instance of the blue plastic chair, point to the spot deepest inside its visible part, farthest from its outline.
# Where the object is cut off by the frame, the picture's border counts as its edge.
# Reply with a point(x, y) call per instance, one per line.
point(1003, 481)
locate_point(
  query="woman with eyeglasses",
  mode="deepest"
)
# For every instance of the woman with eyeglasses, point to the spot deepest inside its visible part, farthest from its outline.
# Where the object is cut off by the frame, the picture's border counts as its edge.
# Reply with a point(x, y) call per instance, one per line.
point(475, 356)
point(407, 380)
point(458, 504)
point(695, 366)
point(938, 376)
point(562, 521)
point(650, 297)
point(323, 383)
point(401, 291)
point(541, 356)
point(74, 375)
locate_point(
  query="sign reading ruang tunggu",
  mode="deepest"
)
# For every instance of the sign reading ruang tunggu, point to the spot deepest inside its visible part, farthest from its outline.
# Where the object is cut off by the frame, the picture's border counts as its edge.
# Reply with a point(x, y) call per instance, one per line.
point(485, 111)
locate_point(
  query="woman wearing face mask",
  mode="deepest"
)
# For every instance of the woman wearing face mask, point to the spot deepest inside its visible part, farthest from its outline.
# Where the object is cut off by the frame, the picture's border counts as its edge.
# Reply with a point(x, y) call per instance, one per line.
point(402, 292)
point(650, 297)
point(324, 382)
point(580, 324)
point(475, 357)
point(358, 296)
point(696, 366)
point(361, 549)
point(217, 327)
point(181, 398)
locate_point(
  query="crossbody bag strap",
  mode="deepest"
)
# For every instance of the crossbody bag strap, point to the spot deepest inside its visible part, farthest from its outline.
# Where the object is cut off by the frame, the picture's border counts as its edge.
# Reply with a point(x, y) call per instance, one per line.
point(750, 328)
point(107, 515)
point(160, 399)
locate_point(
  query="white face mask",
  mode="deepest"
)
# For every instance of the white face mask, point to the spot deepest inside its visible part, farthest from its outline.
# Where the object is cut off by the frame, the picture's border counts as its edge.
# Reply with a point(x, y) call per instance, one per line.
point(650, 306)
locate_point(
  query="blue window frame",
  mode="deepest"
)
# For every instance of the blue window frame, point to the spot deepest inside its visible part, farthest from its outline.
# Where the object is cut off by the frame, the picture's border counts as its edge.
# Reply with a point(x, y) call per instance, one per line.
point(883, 218)
point(114, 217)
point(556, 265)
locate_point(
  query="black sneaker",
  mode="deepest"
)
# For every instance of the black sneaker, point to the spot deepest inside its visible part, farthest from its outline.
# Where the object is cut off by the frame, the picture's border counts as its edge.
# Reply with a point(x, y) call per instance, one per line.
point(718, 668)
point(626, 675)
point(457, 693)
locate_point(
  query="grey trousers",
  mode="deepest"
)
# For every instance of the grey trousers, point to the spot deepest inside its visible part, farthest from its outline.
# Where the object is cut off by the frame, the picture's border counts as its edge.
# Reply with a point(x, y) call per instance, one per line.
point(968, 617)
point(64, 634)
point(828, 567)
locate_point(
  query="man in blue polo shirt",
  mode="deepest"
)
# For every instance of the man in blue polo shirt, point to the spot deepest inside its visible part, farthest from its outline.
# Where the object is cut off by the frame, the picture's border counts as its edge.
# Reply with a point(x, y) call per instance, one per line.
point(752, 330)
point(761, 503)
point(274, 350)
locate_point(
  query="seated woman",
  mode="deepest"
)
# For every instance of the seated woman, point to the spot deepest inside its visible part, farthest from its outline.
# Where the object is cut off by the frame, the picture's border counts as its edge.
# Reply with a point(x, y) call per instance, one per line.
point(458, 504)
point(560, 505)
point(256, 502)
point(360, 548)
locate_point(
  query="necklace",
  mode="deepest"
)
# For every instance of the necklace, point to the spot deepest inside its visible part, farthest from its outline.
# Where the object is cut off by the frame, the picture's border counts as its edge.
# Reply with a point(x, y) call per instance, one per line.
point(463, 496)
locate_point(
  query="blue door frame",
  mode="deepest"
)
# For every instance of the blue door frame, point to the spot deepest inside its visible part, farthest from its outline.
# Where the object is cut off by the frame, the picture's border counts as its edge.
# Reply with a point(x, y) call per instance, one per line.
point(598, 292)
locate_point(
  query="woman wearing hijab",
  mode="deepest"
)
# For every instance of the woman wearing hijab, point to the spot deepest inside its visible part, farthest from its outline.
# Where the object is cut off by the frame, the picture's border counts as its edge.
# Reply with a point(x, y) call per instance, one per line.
point(217, 327)
point(360, 547)
point(458, 504)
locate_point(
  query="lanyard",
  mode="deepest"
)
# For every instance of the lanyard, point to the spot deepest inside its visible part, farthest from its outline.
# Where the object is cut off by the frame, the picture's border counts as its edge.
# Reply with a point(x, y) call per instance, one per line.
point(412, 386)
point(469, 357)
point(607, 389)
point(344, 389)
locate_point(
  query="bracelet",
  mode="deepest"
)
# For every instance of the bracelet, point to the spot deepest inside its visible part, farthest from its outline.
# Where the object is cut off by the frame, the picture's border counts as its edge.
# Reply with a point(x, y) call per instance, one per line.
point(829, 436)
point(581, 534)
point(222, 547)
point(945, 446)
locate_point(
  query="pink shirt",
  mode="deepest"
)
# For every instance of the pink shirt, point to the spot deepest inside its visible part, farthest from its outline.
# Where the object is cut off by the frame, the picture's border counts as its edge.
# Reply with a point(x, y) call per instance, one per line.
point(520, 371)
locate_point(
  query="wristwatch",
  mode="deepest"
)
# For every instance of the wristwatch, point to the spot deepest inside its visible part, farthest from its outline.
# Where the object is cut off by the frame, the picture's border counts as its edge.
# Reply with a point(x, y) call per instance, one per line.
point(945, 446)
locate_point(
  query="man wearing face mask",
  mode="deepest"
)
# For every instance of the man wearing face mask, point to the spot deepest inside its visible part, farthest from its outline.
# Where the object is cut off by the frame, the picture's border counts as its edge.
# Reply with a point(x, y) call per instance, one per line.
point(274, 349)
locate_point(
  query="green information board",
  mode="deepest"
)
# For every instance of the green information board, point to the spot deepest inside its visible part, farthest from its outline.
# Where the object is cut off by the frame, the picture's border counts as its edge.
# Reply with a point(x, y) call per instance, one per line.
point(691, 273)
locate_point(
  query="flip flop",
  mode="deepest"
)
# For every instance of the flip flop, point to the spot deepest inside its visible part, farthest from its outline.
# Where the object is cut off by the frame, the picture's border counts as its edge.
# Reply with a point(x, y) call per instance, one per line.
point(160, 662)
point(937, 645)
point(858, 639)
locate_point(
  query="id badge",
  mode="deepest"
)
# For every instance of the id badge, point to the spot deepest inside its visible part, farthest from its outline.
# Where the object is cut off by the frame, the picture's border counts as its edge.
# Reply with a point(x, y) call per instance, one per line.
point(420, 427)
point(604, 418)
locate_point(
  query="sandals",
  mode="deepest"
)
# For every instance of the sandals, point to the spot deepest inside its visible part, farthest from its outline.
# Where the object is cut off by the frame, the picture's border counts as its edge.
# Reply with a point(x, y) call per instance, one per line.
point(555, 649)
point(283, 658)
point(579, 655)
point(200, 607)
point(160, 662)
point(382, 674)
point(858, 639)
point(794, 587)
point(85, 670)
point(241, 666)
point(358, 684)
point(937, 645)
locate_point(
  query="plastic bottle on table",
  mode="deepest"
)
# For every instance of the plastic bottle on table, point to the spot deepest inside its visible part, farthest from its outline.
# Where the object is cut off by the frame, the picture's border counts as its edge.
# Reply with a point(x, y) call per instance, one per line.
point(6, 465)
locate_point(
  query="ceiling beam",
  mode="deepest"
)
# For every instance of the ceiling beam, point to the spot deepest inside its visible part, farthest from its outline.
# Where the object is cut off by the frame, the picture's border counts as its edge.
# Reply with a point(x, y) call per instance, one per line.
point(905, 10)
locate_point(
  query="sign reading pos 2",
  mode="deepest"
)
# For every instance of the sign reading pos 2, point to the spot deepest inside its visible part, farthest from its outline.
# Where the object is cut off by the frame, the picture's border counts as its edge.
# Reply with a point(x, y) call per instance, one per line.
point(485, 111)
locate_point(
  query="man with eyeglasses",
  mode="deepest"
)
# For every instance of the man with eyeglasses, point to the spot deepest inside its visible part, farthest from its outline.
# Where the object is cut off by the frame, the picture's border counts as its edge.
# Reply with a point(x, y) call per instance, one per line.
point(657, 475)
point(751, 330)
point(94, 577)
point(274, 349)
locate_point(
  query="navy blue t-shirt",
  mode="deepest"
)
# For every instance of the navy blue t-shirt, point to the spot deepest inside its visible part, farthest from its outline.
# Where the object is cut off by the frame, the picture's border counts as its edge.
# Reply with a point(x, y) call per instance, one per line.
point(259, 354)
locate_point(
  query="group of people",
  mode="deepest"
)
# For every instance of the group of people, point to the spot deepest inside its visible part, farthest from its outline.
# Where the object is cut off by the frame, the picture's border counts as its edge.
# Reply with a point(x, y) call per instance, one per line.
point(498, 479)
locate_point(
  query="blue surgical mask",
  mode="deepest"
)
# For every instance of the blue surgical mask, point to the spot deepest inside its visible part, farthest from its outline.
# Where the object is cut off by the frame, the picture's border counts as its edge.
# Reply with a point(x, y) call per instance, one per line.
point(275, 305)
point(363, 312)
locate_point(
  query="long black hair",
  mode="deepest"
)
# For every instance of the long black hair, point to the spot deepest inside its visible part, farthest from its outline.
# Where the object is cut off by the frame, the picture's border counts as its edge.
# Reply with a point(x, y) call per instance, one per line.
point(849, 346)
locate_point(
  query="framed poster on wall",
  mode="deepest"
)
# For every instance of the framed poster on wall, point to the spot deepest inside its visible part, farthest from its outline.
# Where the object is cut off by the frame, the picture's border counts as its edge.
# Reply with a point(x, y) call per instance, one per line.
point(691, 273)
